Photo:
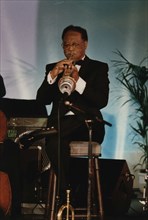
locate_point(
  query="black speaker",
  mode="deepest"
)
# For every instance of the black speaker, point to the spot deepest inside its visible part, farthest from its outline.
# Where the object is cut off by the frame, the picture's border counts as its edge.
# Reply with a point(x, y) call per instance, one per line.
point(116, 184)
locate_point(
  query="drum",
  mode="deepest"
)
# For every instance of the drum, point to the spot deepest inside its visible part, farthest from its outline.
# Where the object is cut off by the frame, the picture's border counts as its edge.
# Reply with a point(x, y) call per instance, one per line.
point(3, 126)
point(5, 193)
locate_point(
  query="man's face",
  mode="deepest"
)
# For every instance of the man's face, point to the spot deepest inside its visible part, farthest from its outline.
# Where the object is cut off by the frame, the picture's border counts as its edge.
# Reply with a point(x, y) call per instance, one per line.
point(74, 46)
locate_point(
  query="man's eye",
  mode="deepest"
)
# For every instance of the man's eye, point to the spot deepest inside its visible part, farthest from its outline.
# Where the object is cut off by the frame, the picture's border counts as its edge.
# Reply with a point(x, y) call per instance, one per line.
point(74, 45)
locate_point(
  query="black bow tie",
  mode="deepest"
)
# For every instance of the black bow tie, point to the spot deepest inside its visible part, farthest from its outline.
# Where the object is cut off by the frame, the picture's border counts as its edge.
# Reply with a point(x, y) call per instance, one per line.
point(79, 62)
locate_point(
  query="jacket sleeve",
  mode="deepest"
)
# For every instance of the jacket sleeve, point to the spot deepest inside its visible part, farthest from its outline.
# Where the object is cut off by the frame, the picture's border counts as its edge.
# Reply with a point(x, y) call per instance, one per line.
point(2, 87)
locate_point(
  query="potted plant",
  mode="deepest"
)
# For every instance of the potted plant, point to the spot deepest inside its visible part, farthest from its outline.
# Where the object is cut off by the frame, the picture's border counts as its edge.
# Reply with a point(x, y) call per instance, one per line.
point(134, 78)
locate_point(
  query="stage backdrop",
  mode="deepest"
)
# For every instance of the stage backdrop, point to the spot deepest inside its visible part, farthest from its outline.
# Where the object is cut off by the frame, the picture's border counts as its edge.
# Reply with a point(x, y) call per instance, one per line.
point(30, 37)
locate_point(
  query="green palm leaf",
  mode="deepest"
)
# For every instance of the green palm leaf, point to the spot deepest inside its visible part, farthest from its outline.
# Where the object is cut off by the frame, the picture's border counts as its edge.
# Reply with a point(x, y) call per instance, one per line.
point(134, 78)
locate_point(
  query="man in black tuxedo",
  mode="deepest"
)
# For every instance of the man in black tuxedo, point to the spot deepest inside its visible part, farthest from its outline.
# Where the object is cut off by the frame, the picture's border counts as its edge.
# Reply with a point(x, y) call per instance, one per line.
point(90, 94)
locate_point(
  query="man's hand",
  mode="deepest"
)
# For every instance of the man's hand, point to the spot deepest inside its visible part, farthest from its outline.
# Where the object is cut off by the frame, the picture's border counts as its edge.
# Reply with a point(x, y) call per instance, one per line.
point(61, 66)
point(75, 73)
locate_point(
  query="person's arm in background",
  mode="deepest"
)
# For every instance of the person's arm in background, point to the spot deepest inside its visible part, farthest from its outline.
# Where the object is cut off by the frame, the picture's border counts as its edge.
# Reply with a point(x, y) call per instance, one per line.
point(2, 87)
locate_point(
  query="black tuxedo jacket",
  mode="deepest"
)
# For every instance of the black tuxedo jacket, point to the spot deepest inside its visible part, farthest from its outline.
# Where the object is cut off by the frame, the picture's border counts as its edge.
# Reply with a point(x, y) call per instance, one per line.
point(94, 97)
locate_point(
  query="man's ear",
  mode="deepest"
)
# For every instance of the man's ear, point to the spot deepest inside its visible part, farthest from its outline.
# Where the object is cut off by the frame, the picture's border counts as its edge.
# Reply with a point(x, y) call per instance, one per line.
point(86, 44)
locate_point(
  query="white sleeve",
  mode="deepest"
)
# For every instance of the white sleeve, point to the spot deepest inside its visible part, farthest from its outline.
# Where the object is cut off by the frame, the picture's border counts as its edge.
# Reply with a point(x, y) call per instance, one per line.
point(49, 79)
point(80, 85)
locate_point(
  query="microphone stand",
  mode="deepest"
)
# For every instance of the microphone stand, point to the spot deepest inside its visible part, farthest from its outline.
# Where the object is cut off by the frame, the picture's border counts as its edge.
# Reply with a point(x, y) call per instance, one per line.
point(65, 94)
point(89, 126)
point(71, 106)
point(59, 161)
point(90, 162)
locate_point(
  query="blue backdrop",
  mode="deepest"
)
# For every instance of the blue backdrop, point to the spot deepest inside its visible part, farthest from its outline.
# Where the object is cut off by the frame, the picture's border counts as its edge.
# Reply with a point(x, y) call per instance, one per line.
point(31, 37)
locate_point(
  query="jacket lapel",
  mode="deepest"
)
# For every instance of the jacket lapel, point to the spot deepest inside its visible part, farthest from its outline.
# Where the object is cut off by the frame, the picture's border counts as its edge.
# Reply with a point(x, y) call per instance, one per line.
point(84, 70)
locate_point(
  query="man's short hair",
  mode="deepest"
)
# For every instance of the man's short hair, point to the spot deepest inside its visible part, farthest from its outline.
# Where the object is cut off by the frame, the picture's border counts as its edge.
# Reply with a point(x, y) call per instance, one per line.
point(78, 29)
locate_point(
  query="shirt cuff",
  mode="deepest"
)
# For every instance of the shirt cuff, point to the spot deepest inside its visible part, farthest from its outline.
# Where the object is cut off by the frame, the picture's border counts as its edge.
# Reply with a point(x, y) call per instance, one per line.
point(49, 79)
point(80, 85)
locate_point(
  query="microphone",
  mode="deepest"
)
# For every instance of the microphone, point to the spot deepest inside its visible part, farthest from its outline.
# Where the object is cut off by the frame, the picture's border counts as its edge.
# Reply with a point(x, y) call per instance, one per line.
point(67, 85)
point(86, 112)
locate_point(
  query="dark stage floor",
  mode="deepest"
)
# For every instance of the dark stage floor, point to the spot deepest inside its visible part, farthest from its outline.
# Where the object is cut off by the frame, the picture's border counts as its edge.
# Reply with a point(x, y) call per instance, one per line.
point(135, 212)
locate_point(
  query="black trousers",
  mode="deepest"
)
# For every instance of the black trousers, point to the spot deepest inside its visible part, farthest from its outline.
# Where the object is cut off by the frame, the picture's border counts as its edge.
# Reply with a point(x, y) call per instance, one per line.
point(71, 128)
